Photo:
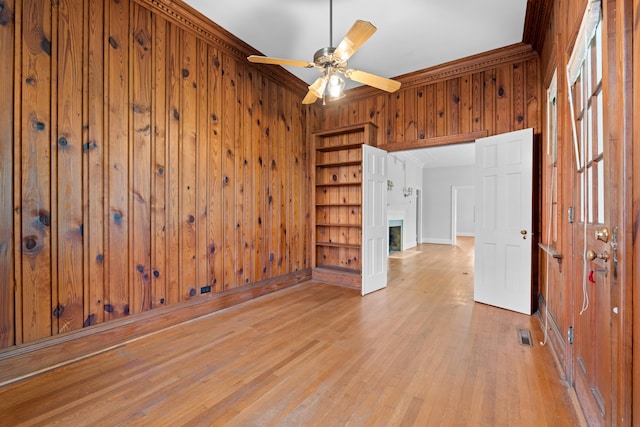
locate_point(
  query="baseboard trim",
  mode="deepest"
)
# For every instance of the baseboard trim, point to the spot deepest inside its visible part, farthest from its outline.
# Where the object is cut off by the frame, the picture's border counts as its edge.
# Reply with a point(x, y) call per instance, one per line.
point(555, 339)
point(436, 241)
point(24, 361)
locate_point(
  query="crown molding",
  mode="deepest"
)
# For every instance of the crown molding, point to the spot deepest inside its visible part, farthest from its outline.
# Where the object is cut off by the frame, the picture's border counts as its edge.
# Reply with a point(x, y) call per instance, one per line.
point(472, 64)
point(536, 21)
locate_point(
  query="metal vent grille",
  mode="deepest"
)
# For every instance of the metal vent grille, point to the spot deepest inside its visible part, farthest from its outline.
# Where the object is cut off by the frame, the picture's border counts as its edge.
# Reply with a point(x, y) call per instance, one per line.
point(525, 337)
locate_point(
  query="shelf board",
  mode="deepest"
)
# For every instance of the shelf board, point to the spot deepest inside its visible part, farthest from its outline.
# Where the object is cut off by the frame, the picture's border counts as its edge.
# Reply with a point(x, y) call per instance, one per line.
point(326, 224)
point(339, 147)
point(338, 245)
point(338, 164)
point(338, 184)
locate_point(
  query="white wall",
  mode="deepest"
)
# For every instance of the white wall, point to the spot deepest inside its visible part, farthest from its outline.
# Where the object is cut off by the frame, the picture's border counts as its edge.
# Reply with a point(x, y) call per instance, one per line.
point(436, 200)
point(403, 171)
point(465, 218)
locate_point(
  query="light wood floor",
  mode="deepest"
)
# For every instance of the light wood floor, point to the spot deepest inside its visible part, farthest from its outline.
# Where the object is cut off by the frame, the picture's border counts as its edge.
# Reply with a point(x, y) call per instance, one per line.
point(420, 352)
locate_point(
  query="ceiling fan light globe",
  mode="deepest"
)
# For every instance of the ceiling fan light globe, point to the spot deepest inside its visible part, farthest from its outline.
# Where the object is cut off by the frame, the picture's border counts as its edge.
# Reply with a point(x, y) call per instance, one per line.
point(335, 87)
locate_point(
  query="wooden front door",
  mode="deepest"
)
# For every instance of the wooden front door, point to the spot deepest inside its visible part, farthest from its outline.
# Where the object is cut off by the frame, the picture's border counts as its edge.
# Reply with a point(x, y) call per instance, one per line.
point(594, 240)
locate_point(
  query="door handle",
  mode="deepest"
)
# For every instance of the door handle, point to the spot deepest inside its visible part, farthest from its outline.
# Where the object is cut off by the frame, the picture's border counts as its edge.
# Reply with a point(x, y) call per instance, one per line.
point(524, 234)
point(591, 255)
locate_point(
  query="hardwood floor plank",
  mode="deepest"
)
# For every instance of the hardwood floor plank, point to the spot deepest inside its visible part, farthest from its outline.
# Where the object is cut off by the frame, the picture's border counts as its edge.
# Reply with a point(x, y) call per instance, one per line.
point(419, 352)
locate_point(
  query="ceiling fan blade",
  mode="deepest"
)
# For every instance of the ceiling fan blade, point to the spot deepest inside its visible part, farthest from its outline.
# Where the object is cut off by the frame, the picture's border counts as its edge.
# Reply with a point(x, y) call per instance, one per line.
point(277, 61)
point(310, 98)
point(372, 80)
point(359, 33)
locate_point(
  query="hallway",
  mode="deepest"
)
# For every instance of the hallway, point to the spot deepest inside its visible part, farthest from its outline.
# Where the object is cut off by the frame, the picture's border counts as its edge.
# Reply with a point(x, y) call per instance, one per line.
point(419, 352)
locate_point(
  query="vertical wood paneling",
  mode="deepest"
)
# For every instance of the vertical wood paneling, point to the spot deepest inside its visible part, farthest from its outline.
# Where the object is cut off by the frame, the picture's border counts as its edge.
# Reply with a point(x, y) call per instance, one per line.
point(259, 176)
point(251, 193)
point(477, 102)
point(7, 251)
point(532, 93)
point(504, 97)
point(35, 130)
point(410, 111)
point(69, 308)
point(497, 99)
point(147, 162)
point(431, 111)
point(421, 110)
point(397, 109)
point(274, 183)
point(299, 196)
point(160, 141)
point(140, 170)
point(202, 168)
point(228, 169)
point(490, 101)
point(280, 189)
point(452, 107)
point(215, 181)
point(175, 286)
point(441, 108)
point(94, 173)
point(18, 143)
point(117, 293)
point(466, 100)
point(187, 153)
point(292, 203)
point(241, 195)
point(519, 90)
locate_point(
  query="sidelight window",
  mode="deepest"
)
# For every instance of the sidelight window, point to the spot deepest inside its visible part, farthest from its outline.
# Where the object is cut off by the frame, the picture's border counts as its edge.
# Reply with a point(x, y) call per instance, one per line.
point(584, 74)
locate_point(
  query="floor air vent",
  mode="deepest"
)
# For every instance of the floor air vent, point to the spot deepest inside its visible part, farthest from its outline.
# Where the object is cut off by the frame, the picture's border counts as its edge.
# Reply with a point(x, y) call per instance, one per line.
point(525, 337)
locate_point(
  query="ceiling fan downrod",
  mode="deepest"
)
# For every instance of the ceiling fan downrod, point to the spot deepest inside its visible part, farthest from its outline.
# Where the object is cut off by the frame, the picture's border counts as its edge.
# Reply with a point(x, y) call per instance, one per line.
point(330, 23)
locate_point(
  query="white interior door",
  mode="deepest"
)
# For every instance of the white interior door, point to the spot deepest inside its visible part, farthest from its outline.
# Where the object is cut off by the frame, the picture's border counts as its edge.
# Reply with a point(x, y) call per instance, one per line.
point(503, 220)
point(375, 238)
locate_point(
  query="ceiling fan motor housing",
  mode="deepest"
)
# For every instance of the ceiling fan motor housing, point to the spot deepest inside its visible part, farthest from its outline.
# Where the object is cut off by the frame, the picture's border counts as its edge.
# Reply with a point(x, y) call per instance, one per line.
point(324, 57)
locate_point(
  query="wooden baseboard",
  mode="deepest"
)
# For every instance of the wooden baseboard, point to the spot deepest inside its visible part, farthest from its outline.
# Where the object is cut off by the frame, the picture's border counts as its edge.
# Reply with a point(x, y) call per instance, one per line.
point(555, 338)
point(26, 360)
point(340, 277)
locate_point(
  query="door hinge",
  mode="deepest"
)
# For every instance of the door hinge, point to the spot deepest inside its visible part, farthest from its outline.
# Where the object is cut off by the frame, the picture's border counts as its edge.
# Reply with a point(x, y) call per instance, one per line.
point(570, 335)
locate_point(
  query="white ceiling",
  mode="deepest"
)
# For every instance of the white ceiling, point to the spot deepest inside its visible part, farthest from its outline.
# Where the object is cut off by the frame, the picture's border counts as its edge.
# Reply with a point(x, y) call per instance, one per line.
point(412, 34)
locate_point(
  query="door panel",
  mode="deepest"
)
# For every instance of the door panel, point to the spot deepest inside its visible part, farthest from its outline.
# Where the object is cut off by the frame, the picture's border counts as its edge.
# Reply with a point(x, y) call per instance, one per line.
point(503, 222)
point(375, 234)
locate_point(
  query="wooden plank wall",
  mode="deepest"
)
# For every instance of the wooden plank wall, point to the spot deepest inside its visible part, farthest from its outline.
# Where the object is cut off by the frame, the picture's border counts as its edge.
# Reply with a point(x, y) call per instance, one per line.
point(143, 158)
point(496, 92)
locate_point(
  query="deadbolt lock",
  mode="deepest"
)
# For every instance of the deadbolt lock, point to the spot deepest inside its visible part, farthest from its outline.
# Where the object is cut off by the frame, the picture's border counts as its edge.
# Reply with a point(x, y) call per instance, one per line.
point(602, 234)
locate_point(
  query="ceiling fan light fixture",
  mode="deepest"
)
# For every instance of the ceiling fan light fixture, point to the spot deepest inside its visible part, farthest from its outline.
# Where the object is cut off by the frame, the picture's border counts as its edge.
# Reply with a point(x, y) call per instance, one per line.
point(335, 87)
point(318, 87)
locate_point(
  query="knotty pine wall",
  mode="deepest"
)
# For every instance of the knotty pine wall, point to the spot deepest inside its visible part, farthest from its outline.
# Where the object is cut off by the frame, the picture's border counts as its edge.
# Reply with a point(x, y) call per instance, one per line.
point(483, 95)
point(142, 158)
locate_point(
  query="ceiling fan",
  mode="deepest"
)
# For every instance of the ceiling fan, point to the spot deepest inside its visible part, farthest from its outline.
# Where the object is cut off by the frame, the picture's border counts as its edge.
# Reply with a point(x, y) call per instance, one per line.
point(332, 62)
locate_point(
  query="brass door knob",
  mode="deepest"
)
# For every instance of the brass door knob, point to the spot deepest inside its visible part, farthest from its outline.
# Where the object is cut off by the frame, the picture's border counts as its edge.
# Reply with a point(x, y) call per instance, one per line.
point(591, 255)
point(602, 234)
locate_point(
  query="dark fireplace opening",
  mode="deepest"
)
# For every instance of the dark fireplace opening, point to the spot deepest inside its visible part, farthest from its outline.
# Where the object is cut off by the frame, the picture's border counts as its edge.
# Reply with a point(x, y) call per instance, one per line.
point(395, 238)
